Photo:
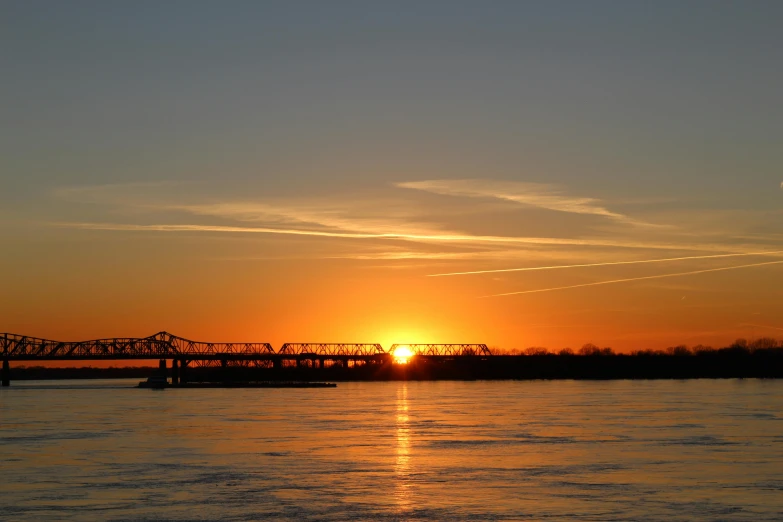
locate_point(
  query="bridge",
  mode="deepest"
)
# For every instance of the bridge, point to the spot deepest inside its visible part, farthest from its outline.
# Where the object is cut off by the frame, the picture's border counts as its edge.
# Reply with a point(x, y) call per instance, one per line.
point(444, 350)
point(185, 353)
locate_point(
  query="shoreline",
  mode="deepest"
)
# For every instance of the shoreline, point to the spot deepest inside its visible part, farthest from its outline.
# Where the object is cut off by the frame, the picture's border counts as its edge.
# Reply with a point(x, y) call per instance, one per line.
point(529, 367)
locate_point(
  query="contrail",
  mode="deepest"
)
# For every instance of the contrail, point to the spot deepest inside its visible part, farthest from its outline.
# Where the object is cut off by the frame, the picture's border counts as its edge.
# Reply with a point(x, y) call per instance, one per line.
point(635, 279)
point(762, 326)
point(528, 269)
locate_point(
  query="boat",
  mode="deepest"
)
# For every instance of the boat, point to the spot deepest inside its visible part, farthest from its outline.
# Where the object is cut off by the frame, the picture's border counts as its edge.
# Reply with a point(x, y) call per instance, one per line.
point(156, 382)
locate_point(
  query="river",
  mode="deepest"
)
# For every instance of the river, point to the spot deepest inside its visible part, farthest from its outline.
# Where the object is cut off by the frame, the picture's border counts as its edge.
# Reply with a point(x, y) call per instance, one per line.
point(502, 450)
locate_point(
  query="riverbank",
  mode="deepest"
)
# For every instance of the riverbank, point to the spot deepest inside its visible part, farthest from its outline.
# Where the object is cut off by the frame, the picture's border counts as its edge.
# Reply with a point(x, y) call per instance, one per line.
point(718, 365)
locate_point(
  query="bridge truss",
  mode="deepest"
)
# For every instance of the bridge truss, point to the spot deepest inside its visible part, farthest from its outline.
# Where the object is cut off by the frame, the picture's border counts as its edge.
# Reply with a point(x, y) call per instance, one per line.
point(196, 348)
point(347, 349)
point(162, 345)
point(184, 352)
point(444, 350)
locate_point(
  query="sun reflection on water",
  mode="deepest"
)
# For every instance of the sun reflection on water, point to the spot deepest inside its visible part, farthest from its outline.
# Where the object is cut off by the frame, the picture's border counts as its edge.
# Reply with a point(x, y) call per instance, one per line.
point(402, 463)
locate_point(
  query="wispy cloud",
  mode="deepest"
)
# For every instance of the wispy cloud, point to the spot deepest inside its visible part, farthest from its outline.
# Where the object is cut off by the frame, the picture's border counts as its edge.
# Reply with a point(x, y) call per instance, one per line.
point(614, 281)
point(641, 261)
point(762, 326)
point(219, 228)
point(353, 217)
point(173, 207)
point(489, 254)
point(434, 237)
point(539, 195)
point(410, 254)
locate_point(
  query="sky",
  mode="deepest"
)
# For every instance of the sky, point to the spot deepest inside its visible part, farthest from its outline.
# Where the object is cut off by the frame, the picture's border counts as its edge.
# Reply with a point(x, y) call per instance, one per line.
point(393, 172)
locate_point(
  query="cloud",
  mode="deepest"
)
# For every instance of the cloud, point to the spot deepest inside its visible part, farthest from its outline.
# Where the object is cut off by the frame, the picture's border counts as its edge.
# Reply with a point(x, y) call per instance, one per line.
point(465, 255)
point(176, 207)
point(433, 237)
point(218, 228)
point(357, 215)
point(610, 263)
point(538, 195)
point(614, 281)
point(345, 217)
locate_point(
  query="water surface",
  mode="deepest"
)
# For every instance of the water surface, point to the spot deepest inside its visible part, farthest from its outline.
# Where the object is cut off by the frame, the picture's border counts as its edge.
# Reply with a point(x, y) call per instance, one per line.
point(503, 450)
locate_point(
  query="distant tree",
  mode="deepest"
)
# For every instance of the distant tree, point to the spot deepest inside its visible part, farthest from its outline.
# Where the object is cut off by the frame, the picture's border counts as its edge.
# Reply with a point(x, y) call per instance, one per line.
point(589, 349)
point(505, 351)
point(680, 350)
point(536, 350)
point(765, 343)
point(740, 343)
point(607, 351)
point(700, 349)
point(566, 351)
point(647, 353)
point(740, 346)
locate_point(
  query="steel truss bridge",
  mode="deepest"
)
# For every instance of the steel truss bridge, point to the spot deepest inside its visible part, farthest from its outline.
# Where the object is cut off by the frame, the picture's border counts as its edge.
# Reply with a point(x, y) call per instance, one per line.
point(444, 350)
point(184, 352)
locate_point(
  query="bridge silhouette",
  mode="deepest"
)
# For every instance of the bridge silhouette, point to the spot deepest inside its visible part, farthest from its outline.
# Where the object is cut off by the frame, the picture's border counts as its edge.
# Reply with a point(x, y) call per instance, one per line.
point(184, 353)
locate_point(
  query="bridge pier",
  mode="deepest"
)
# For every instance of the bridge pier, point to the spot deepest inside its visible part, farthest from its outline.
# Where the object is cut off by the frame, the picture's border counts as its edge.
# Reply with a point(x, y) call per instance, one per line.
point(321, 363)
point(6, 377)
point(174, 371)
point(183, 365)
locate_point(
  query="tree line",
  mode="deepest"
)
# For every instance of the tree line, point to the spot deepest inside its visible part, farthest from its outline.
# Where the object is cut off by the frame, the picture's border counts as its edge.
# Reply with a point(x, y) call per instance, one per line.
point(762, 346)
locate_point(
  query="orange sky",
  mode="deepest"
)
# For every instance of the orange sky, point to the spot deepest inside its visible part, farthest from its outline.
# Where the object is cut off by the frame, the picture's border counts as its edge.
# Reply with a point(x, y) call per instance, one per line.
point(145, 282)
point(299, 177)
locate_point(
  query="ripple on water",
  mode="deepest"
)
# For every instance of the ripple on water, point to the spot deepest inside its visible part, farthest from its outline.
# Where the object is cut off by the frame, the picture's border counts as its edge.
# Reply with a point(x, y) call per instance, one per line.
point(396, 451)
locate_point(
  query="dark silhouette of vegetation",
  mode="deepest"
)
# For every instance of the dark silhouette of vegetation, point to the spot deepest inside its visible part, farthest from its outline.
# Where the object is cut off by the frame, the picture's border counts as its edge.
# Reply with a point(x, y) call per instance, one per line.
point(740, 346)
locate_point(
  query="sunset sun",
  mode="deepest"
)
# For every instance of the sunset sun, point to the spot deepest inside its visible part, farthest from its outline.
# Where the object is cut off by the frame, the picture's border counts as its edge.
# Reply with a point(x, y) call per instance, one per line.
point(402, 354)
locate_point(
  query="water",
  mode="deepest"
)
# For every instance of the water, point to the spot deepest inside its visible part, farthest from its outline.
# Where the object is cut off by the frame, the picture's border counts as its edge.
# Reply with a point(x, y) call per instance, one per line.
point(619, 450)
